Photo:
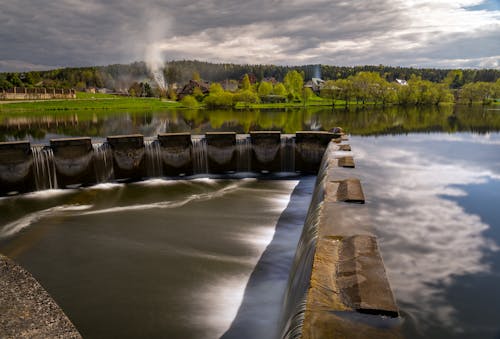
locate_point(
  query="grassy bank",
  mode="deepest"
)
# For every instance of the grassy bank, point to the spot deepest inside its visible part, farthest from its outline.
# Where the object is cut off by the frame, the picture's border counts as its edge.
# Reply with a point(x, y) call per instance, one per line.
point(88, 101)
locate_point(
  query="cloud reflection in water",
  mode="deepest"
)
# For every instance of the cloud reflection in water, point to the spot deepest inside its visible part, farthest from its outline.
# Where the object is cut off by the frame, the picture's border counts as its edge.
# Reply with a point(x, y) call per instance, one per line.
point(427, 240)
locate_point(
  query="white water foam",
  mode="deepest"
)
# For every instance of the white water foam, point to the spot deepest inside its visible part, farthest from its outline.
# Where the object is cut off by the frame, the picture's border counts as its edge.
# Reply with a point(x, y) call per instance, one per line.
point(20, 224)
point(167, 204)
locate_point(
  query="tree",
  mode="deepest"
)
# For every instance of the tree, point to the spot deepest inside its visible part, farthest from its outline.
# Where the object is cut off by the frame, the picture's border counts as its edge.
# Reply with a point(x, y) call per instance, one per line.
point(245, 83)
point(454, 79)
point(189, 102)
point(279, 89)
point(265, 88)
point(196, 76)
point(294, 82)
point(330, 91)
point(307, 94)
point(246, 97)
point(216, 88)
point(219, 99)
point(147, 91)
point(14, 80)
point(198, 94)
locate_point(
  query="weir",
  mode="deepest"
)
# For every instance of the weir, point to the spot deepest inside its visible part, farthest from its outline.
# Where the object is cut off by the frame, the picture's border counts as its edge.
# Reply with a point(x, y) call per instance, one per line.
point(337, 286)
point(73, 162)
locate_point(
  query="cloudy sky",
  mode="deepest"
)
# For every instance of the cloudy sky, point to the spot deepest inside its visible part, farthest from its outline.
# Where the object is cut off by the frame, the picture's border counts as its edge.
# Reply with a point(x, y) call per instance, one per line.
point(439, 33)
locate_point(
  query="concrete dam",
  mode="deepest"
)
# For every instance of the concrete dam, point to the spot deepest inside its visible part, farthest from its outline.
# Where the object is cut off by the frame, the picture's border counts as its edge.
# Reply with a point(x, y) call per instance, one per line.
point(337, 284)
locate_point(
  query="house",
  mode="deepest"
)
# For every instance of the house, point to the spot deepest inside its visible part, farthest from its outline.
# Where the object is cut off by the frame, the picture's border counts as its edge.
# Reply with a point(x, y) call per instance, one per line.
point(230, 85)
point(251, 77)
point(189, 88)
point(271, 80)
point(402, 82)
point(316, 84)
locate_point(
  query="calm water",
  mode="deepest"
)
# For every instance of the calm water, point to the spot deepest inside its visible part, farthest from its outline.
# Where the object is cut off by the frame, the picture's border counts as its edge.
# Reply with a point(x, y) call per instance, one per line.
point(42, 126)
point(434, 199)
point(210, 265)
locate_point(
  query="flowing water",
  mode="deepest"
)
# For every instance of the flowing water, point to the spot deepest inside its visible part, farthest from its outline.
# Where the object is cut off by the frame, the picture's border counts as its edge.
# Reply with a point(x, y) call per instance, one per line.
point(160, 258)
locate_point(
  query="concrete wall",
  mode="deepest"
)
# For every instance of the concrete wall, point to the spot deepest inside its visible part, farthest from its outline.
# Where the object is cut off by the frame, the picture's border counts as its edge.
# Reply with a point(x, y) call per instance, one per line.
point(73, 161)
point(338, 286)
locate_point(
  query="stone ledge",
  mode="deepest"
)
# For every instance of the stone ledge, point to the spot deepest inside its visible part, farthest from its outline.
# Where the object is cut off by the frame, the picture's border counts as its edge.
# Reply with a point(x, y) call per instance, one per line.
point(26, 309)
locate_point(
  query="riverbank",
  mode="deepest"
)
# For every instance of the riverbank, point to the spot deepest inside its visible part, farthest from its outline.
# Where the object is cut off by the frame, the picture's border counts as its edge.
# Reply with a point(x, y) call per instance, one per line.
point(109, 102)
point(87, 101)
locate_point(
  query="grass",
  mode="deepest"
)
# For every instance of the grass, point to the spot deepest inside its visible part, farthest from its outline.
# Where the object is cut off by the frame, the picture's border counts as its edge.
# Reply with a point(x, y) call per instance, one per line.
point(89, 101)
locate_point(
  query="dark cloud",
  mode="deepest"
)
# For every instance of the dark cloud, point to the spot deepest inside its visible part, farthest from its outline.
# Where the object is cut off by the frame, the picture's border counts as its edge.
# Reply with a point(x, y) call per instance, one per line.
point(74, 33)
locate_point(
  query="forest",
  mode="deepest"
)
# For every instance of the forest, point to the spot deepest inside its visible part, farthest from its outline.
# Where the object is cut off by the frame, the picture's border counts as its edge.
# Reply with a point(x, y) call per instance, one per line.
point(268, 83)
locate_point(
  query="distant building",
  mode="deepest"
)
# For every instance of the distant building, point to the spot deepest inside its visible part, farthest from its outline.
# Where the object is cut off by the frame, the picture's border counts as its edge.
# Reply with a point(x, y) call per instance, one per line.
point(402, 82)
point(230, 85)
point(271, 80)
point(37, 93)
point(316, 84)
point(189, 88)
point(251, 77)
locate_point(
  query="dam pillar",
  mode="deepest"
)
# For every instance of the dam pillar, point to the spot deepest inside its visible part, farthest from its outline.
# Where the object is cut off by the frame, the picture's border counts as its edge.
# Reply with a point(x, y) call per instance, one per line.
point(16, 167)
point(128, 156)
point(221, 152)
point(309, 149)
point(266, 150)
point(73, 158)
point(176, 153)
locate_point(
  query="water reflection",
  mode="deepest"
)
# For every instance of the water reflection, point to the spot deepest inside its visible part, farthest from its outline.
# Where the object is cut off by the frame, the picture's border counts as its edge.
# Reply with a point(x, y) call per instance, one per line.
point(40, 126)
point(429, 241)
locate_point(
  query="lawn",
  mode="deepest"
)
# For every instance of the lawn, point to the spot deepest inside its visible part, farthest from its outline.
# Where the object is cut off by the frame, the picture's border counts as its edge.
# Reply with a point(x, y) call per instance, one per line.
point(89, 101)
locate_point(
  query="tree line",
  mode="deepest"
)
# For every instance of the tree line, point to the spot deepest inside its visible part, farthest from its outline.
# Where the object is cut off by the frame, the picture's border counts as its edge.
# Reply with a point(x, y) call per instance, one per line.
point(360, 89)
point(361, 84)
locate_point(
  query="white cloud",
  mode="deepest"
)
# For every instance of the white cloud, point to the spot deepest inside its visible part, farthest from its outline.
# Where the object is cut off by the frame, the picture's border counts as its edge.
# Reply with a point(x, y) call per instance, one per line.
point(423, 33)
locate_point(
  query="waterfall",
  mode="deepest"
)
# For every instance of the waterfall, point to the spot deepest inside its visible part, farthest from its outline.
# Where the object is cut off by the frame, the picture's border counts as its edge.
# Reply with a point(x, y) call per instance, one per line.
point(200, 156)
point(294, 304)
point(287, 153)
point(103, 162)
point(154, 165)
point(244, 148)
point(44, 167)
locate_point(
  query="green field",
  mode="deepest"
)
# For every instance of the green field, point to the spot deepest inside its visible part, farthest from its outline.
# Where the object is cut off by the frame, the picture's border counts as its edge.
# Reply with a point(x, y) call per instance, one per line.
point(89, 101)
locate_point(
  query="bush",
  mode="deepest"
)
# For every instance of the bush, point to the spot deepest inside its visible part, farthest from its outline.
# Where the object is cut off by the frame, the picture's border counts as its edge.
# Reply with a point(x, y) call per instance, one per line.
point(247, 97)
point(189, 102)
point(219, 99)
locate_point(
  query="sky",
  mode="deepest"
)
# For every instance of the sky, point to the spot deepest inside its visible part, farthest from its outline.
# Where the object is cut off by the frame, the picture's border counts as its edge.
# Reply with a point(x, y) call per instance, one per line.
point(418, 33)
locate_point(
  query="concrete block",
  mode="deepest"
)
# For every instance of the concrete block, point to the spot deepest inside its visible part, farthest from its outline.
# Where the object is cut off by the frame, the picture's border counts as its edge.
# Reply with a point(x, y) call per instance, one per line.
point(176, 153)
point(309, 149)
point(73, 158)
point(266, 150)
point(128, 156)
point(346, 162)
point(16, 167)
point(221, 150)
